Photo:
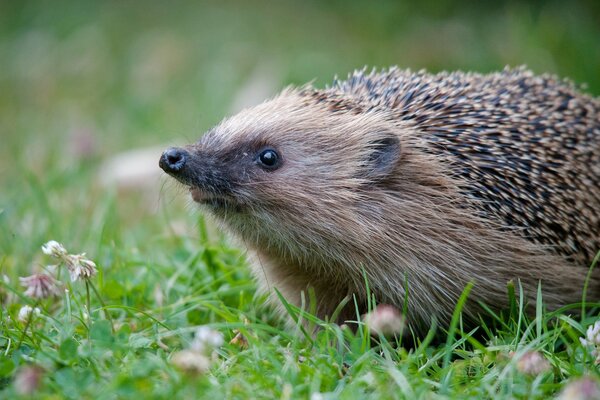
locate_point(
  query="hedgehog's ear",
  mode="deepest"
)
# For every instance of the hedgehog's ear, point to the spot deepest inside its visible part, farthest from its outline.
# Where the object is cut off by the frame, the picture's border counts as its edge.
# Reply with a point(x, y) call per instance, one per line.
point(383, 156)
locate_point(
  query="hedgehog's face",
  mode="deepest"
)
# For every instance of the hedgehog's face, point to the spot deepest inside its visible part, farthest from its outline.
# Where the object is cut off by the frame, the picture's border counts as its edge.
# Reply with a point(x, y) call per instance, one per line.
point(289, 159)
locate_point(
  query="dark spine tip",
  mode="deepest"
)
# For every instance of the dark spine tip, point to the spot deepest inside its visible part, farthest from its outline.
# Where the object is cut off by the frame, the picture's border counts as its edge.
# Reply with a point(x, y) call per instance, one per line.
point(173, 160)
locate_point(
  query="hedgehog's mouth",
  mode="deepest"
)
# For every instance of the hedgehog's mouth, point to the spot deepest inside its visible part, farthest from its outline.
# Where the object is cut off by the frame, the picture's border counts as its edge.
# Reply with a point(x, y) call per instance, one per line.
point(204, 197)
point(199, 195)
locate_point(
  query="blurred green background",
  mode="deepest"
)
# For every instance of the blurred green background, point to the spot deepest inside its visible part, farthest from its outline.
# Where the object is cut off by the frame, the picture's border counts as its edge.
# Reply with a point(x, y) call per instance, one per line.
point(81, 81)
point(91, 91)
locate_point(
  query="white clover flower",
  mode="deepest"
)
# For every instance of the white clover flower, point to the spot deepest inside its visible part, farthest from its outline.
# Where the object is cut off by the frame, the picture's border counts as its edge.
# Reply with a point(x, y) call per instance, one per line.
point(191, 361)
point(25, 313)
point(384, 320)
point(80, 267)
point(40, 286)
point(54, 249)
point(533, 363)
point(206, 340)
point(198, 358)
point(592, 335)
point(592, 339)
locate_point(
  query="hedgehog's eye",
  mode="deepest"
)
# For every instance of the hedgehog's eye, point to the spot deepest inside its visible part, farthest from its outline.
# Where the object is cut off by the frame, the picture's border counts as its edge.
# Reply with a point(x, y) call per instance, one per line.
point(268, 158)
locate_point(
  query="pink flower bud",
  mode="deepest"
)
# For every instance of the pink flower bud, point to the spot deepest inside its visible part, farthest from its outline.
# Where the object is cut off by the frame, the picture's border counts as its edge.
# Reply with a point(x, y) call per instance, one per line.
point(533, 363)
point(28, 379)
point(384, 320)
point(40, 286)
point(585, 388)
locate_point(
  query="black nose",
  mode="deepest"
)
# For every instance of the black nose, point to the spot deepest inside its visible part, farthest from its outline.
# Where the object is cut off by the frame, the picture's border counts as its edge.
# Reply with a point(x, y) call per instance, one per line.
point(173, 160)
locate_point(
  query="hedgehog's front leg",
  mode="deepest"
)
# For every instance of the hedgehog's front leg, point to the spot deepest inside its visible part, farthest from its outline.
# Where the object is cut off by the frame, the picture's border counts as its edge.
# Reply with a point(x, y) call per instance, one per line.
point(297, 286)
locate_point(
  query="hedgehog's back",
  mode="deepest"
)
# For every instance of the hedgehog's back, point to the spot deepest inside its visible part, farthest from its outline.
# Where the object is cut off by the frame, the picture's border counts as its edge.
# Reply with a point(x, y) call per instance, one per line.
point(526, 148)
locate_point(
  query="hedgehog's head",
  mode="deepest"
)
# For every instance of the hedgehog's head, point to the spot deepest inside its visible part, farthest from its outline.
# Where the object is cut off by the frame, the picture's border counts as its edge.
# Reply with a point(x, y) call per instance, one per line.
point(296, 158)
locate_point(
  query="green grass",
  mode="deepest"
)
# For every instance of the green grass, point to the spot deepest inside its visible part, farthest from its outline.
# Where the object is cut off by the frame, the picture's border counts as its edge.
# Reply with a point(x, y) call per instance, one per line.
point(80, 81)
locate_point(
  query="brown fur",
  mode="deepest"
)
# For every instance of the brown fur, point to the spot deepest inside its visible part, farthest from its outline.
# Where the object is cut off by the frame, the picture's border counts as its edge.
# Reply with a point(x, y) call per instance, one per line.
point(430, 223)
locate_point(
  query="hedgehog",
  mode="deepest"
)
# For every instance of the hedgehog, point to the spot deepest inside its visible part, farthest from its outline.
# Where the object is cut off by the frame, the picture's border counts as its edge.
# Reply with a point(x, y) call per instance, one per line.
point(412, 184)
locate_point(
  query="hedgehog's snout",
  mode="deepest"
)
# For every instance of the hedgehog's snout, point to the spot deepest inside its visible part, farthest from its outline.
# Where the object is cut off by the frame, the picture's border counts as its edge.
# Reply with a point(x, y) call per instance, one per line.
point(173, 160)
